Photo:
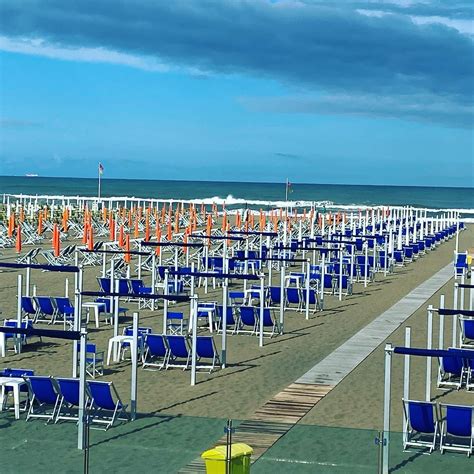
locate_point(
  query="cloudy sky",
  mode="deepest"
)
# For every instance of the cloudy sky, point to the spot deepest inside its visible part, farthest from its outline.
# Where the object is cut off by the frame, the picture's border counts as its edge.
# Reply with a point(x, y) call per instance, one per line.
point(378, 92)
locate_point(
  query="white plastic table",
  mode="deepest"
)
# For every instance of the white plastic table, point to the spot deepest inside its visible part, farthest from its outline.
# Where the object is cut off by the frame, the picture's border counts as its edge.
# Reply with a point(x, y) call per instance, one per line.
point(15, 383)
point(115, 343)
point(96, 306)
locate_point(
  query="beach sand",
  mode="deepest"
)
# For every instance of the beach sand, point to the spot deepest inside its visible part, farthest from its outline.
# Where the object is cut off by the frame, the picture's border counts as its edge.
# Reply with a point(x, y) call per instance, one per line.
point(256, 374)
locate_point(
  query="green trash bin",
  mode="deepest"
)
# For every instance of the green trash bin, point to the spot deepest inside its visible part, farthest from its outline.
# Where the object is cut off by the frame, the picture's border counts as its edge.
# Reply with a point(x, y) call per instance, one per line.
point(239, 459)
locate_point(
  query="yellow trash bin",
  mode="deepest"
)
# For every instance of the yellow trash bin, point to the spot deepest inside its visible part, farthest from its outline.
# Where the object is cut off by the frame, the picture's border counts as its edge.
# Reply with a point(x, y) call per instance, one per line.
point(239, 459)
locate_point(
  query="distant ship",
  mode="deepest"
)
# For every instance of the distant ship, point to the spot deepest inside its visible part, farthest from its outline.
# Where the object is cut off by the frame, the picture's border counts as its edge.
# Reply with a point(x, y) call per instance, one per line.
point(31, 175)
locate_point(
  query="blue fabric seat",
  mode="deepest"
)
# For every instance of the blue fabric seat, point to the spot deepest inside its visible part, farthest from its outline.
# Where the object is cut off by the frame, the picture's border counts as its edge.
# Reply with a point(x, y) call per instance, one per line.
point(179, 350)
point(421, 428)
point(206, 349)
point(68, 408)
point(293, 297)
point(247, 319)
point(231, 323)
point(105, 405)
point(457, 430)
point(45, 398)
point(156, 352)
point(45, 308)
point(65, 310)
point(451, 372)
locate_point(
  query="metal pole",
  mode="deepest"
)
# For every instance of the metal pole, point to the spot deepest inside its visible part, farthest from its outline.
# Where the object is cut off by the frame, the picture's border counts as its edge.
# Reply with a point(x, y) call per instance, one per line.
point(165, 302)
point(153, 279)
point(116, 310)
point(454, 322)
point(323, 275)
point(225, 283)
point(307, 290)
point(28, 277)
point(134, 350)
point(441, 325)
point(262, 304)
point(282, 296)
point(18, 314)
point(82, 391)
point(386, 409)
point(406, 379)
point(194, 338)
point(139, 270)
point(429, 344)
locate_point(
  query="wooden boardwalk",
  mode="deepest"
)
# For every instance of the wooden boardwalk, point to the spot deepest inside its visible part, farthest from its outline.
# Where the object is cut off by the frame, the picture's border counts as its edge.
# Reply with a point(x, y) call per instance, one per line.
point(277, 416)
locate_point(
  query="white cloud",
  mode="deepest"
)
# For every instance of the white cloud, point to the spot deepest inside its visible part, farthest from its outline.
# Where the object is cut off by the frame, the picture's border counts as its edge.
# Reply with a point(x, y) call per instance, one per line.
point(39, 47)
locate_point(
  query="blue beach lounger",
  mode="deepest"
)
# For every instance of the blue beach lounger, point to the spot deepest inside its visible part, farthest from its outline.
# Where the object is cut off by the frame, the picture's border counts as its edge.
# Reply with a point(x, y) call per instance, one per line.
point(179, 350)
point(457, 429)
point(69, 403)
point(157, 351)
point(44, 398)
point(421, 428)
point(206, 349)
point(105, 405)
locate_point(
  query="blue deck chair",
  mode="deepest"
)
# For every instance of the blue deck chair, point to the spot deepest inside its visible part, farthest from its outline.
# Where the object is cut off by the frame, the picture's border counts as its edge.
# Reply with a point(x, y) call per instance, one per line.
point(104, 284)
point(293, 297)
point(206, 349)
point(247, 317)
point(176, 322)
point(231, 323)
point(408, 253)
point(13, 323)
point(398, 257)
point(45, 308)
point(65, 310)
point(10, 372)
point(313, 299)
point(451, 372)
point(105, 404)
point(28, 308)
point(68, 408)
point(138, 287)
point(179, 350)
point(457, 429)
point(422, 422)
point(124, 286)
point(156, 352)
point(269, 321)
point(106, 301)
point(460, 265)
point(467, 331)
point(274, 294)
point(142, 332)
point(44, 397)
point(328, 284)
point(236, 297)
point(346, 285)
point(94, 360)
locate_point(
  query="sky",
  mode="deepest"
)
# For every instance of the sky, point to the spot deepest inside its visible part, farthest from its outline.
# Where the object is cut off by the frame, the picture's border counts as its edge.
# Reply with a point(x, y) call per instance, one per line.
point(373, 92)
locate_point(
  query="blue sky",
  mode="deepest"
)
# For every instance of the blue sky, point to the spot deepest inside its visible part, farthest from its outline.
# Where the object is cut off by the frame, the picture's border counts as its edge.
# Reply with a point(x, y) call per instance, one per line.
point(378, 92)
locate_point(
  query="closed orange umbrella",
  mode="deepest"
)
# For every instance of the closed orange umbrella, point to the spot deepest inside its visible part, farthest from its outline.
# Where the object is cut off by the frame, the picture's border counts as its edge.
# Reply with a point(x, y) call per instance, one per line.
point(11, 225)
point(176, 221)
point(224, 222)
point(104, 214)
point(209, 225)
point(56, 241)
point(85, 232)
point(18, 238)
point(158, 239)
point(169, 232)
point(112, 228)
point(65, 219)
point(90, 240)
point(40, 223)
point(252, 222)
point(147, 227)
point(127, 257)
point(121, 240)
point(22, 214)
point(135, 230)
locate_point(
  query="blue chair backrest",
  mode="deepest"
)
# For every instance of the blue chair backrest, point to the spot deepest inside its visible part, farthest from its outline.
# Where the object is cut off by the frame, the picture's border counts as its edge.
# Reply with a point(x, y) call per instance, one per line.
point(177, 345)
point(136, 285)
point(247, 315)
point(43, 389)
point(69, 390)
point(452, 365)
point(45, 304)
point(90, 348)
point(458, 420)
point(156, 344)
point(275, 294)
point(123, 286)
point(141, 331)
point(327, 281)
point(205, 346)
point(267, 317)
point(104, 284)
point(101, 393)
point(27, 305)
point(64, 305)
point(18, 372)
point(293, 295)
point(230, 314)
point(461, 260)
point(106, 301)
point(312, 295)
point(421, 417)
point(468, 328)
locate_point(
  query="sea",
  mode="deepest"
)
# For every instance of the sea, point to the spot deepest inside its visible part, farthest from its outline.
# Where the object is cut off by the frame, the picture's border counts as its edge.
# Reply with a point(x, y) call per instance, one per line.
point(235, 194)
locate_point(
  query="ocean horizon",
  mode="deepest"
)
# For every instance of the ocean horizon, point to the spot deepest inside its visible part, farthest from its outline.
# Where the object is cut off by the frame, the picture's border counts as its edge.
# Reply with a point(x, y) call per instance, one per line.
point(235, 192)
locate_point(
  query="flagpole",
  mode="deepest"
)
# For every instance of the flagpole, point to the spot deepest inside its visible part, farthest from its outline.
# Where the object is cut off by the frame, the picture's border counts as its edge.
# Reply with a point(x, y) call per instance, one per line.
point(98, 190)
